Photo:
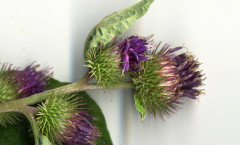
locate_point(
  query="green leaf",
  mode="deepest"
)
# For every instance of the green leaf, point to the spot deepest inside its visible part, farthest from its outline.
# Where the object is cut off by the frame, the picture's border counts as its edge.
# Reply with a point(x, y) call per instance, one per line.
point(140, 106)
point(115, 24)
point(95, 111)
point(16, 134)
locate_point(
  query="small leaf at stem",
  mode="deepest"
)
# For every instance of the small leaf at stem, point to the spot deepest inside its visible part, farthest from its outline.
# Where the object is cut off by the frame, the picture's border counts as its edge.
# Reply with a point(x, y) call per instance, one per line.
point(140, 106)
point(43, 140)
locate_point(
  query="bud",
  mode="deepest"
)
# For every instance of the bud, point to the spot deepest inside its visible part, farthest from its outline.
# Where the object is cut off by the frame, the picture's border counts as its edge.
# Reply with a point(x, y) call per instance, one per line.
point(63, 121)
point(164, 79)
point(104, 63)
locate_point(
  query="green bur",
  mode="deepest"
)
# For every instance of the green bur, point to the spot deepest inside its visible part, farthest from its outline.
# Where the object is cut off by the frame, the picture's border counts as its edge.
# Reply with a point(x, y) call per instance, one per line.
point(104, 64)
point(9, 88)
point(149, 94)
point(54, 114)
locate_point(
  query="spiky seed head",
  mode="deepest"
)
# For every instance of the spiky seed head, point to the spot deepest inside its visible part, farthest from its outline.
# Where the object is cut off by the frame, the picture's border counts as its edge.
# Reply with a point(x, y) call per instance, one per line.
point(150, 91)
point(54, 115)
point(61, 120)
point(104, 63)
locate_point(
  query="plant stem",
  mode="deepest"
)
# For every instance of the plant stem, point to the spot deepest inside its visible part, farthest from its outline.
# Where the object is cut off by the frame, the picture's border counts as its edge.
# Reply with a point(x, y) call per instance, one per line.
point(36, 98)
point(29, 112)
point(78, 86)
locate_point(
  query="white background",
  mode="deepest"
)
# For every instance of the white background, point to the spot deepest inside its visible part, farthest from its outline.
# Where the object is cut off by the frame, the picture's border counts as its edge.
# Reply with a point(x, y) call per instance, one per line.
point(52, 32)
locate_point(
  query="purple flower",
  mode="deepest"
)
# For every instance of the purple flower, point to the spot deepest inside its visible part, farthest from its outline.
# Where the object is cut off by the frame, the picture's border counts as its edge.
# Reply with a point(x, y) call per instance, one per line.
point(31, 80)
point(133, 51)
point(81, 131)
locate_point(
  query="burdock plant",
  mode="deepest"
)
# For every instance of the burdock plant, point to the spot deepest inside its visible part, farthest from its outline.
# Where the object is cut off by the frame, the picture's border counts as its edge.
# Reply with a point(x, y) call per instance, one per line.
point(61, 113)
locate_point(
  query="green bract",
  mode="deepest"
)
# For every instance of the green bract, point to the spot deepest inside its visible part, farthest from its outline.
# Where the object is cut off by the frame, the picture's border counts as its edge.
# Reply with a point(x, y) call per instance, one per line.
point(104, 64)
point(8, 85)
point(115, 24)
point(149, 94)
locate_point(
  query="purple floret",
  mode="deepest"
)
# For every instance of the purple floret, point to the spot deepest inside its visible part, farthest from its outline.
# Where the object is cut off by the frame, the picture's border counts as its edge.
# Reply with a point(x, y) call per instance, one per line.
point(133, 52)
point(31, 80)
point(81, 131)
point(184, 72)
point(190, 77)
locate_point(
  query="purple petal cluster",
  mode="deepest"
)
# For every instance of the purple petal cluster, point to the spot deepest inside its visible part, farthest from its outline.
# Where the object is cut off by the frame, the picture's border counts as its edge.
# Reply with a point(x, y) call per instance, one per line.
point(189, 76)
point(182, 76)
point(31, 80)
point(81, 130)
point(16, 84)
point(133, 52)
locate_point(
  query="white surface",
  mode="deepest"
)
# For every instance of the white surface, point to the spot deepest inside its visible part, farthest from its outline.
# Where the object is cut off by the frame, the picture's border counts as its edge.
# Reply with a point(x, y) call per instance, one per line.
point(35, 30)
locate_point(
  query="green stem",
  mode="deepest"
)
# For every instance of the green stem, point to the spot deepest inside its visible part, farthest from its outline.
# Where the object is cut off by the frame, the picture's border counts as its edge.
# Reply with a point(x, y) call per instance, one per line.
point(71, 88)
point(36, 98)
point(28, 112)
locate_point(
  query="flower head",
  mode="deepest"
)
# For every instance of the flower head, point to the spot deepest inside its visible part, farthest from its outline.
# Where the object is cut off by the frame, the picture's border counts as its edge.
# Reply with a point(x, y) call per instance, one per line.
point(15, 83)
point(133, 51)
point(164, 79)
point(61, 119)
